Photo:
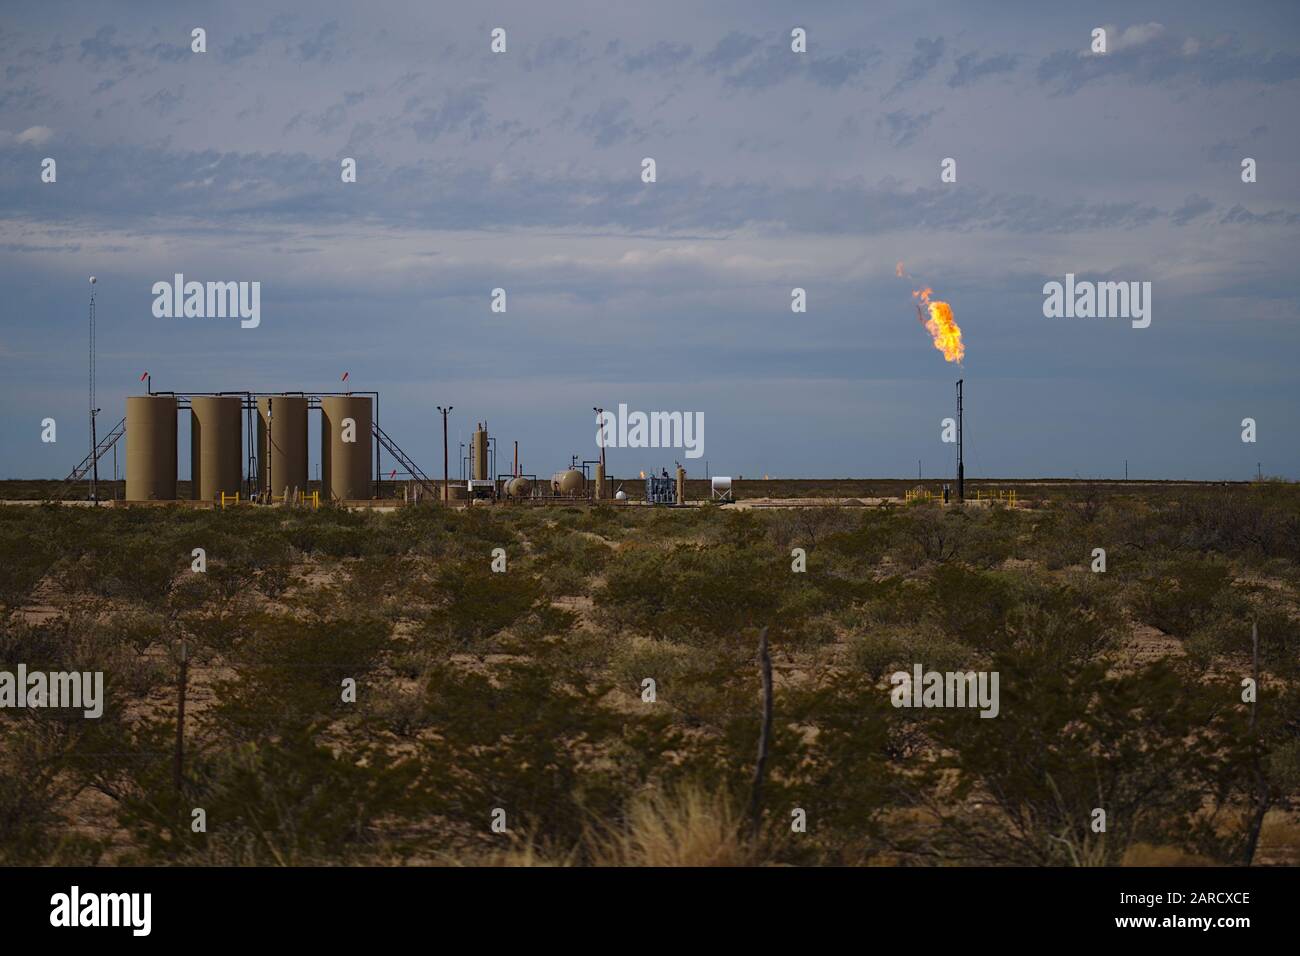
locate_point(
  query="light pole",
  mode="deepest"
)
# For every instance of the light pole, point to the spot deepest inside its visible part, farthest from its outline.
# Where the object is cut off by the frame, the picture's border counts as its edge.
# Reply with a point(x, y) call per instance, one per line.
point(446, 490)
point(94, 439)
point(600, 423)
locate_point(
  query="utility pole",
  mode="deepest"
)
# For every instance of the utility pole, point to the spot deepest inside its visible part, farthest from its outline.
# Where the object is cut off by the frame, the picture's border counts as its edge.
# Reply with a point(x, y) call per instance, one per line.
point(270, 442)
point(961, 461)
point(1126, 469)
point(446, 487)
point(600, 422)
point(94, 439)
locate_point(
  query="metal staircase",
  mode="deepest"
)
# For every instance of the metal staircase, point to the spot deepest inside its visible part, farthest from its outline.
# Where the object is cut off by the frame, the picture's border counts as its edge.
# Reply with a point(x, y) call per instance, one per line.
point(79, 473)
point(411, 467)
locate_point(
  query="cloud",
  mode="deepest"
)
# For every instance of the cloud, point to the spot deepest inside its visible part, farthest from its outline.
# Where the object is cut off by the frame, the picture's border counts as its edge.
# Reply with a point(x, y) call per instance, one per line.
point(1240, 215)
point(1148, 56)
point(101, 48)
point(34, 136)
point(164, 102)
point(1194, 206)
point(610, 123)
point(663, 55)
point(1134, 36)
point(971, 68)
point(729, 51)
point(323, 46)
point(552, 51)
point(927, 56)
point(904, 127)
point(242, 46)
point(460, 110)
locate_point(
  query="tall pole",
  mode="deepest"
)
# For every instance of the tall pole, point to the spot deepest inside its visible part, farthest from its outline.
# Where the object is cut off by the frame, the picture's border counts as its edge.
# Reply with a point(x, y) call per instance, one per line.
point(961, 461)
point(94, 439)
point(446, 476)
point(600, 421)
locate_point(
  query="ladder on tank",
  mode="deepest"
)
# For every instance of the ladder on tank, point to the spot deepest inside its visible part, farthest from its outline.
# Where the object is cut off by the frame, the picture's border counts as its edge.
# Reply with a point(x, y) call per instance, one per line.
point(391, 447)
point(105, 445)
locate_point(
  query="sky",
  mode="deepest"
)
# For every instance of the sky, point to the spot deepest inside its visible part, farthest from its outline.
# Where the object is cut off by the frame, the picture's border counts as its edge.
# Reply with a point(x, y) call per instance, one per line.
point(775, 170)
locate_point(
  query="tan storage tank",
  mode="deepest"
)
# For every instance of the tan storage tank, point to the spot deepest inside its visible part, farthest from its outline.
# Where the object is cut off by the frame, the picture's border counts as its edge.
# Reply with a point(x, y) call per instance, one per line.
point(519, 487)
point(284, 462)
point(216, 446)
point(345, 465)
point(479, 455)
point(151, 448)
point(568, 482)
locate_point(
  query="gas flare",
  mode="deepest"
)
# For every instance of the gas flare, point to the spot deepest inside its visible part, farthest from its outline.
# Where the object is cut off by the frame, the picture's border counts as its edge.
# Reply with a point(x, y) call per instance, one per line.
point(944, 331)
point(937, 318)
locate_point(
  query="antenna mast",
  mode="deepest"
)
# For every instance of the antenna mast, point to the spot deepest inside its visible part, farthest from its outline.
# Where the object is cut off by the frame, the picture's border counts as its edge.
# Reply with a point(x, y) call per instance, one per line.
point(94, 461)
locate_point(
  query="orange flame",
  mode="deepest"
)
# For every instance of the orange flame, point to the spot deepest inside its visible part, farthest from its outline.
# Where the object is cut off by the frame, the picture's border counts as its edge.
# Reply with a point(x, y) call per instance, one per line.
point(943, 328)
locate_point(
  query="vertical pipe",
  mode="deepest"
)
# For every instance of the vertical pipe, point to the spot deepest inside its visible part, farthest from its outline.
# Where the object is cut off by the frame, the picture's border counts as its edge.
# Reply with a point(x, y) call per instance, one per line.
point(961, 461)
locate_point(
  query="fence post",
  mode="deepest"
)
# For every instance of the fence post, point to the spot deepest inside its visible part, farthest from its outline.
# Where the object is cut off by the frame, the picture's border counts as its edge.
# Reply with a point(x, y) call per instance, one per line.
point(764, 736)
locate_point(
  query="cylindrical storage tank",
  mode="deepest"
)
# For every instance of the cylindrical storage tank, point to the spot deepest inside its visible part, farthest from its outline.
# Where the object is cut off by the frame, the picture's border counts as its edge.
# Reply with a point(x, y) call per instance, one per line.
point(345, 447)
point(216, 446)
point(282, 461)
point(151, 448)
point(721, 486)
point(519, 487)
point(479, 455)
point(600, 481)
point(681, 485)
point(568, 482)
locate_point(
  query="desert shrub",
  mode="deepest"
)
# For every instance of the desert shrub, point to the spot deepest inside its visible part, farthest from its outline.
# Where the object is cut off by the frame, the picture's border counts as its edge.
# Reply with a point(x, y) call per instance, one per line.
point(885, 651)
point(1056, 538)
point(712, 590)
point(289, 802)
point(533, 740)
point(1228, 634)
point(866, 542)
point(685, 677)
point(289, 671)
point(973, 607)
point(34, 787)
point(932, 534)
point(821, 730)
point(135, 568)
point(809, 527)
point(383, 582)
point(992, 536)
point(1263, 520)
point(1182, 596)
point(1070, 622)
point(25, 556)
point(473, 603)
point(567, 562)
point(1154, 750)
